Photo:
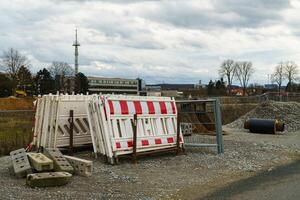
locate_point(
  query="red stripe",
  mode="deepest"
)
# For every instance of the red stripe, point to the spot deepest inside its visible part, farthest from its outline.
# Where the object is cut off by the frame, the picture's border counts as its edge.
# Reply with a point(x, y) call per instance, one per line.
point(145, 142)
point(124, 107)
point(111, 107)
point(173, 107)
point(170, 140)
point(104, 113)
point(163, 108)
point(138, 107)
point(158, 141)
point(130, 143)
point(151, 107)
point(118, 145)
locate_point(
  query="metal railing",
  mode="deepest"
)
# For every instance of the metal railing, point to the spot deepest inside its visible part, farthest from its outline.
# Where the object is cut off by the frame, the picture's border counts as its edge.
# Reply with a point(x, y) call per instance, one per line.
point(195, 112)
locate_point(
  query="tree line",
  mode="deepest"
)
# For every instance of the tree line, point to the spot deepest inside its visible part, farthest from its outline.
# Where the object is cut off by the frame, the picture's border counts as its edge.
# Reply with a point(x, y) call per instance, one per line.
point(243, 71)
point(17, 76)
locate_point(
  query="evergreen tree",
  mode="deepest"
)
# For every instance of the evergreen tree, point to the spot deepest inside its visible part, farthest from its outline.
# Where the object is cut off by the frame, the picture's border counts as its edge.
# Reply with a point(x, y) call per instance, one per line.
point(6, 86)
point(24, 79)
point(81, 83)
point(210, 87)
point(44, 82)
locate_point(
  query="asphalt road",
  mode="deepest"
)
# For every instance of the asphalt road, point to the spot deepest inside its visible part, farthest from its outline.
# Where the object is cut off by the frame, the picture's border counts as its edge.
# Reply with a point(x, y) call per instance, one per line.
point(280, 183)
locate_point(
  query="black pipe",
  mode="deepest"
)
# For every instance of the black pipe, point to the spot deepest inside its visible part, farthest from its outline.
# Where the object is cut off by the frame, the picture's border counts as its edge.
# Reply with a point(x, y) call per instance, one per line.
point(267, 126)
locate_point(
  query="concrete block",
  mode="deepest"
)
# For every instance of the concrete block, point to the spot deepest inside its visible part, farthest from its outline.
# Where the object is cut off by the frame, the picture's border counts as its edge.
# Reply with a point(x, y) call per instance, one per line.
point(81, 166)
point(47, 179)
point(21, 165)
point(60, 163)
point(40, 162)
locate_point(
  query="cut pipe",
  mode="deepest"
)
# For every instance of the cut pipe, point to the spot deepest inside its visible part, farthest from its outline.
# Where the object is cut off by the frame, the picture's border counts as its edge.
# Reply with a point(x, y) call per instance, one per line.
point(267, 126)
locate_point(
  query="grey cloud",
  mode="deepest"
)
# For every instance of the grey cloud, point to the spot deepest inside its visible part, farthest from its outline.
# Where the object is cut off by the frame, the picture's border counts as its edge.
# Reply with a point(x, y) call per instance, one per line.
point(232, 13)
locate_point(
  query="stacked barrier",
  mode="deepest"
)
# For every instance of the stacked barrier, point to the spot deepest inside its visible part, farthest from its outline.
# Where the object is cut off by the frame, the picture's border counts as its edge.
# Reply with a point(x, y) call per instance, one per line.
point(107, 121)
point(51, 121)
point(112, 120)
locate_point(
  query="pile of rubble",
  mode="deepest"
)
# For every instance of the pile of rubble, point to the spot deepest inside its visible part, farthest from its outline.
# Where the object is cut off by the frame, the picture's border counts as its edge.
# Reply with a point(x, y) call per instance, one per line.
point(50, 168)
point(286, 112)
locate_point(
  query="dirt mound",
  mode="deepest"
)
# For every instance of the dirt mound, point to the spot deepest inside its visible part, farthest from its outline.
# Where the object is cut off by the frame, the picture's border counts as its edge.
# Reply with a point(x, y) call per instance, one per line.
point(287, 112)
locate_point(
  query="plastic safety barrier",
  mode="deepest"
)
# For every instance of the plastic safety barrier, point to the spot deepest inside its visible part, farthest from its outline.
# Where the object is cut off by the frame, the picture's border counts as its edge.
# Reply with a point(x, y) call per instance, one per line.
point(51, 121)
point(112, 120)
point(107, 121)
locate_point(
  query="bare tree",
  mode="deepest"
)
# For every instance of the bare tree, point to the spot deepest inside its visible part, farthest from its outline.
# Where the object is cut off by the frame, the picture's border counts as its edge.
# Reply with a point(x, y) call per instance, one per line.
point(60, 68)
point(228, 69)
point(278, 75)
point(244, 70)
point(290, 71)
point(11, 62)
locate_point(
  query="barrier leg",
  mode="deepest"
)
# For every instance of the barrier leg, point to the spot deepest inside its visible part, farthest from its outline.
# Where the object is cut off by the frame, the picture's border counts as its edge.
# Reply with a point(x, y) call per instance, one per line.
point(178, 135)
point(71, 122)
point(134, 154)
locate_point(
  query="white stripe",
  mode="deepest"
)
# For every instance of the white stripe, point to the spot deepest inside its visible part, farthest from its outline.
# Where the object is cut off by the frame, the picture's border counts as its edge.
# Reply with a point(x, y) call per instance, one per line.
point(117, 107)
point(131, 109)
point(156, 107)
point(169, 107)
point(144, 107)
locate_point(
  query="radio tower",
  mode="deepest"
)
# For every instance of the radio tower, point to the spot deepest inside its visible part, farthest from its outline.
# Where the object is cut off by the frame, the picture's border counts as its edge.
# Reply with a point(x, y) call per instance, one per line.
point(76, 45)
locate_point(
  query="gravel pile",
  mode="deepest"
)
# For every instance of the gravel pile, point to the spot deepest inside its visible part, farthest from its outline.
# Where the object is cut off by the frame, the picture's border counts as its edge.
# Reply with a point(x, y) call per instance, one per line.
point(287, 112)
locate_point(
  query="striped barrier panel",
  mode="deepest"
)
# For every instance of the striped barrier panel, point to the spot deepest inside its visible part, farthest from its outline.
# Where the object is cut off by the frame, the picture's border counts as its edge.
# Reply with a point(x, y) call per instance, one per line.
point(111, 117)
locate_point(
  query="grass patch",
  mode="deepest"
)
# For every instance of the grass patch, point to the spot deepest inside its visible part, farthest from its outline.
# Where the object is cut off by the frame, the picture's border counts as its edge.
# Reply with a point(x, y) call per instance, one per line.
point(15, 131)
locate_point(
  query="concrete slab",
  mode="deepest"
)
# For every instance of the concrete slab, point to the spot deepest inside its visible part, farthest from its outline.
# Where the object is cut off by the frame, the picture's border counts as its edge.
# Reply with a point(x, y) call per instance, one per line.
point(40, 162)
point(81, 166)
point(21, 165)
point(60, 163)
point(48, 179)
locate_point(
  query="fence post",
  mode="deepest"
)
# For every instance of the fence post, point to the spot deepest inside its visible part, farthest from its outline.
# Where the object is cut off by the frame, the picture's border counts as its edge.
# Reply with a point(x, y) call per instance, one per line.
point(71, 122)
point(218, 126)
point(178, 134)
point(134, 155)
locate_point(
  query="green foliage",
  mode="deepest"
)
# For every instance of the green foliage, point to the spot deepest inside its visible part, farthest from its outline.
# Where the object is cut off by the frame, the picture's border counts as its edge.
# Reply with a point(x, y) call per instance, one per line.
point(81, 83)
point(25, 80)
point(6, 86)
point(44, 82)
point(216, 88)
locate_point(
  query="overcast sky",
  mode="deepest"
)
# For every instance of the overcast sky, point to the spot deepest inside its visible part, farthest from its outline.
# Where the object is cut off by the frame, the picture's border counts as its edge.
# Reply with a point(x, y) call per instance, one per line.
point(160, 41)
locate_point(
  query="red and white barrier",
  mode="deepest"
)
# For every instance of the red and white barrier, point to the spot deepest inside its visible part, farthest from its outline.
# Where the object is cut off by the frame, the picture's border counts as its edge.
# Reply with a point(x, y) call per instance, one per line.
point(112, 116)
point(107, 121)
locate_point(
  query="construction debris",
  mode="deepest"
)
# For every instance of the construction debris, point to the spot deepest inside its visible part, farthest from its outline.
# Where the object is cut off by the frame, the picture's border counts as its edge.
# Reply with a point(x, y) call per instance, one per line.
point(81, 166)
point(60, 163)
point(40, 162)
point(285, 112)
point(47, 179)
point(44, 164)
point(21, 165)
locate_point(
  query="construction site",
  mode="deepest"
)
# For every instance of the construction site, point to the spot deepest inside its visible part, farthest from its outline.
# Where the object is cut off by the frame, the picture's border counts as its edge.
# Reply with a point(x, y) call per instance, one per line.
point(132, 147)
point(159, 100)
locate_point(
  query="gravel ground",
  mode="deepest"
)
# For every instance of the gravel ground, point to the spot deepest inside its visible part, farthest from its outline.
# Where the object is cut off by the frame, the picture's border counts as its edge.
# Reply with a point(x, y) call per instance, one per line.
point(287, 112)
point(167, 176)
